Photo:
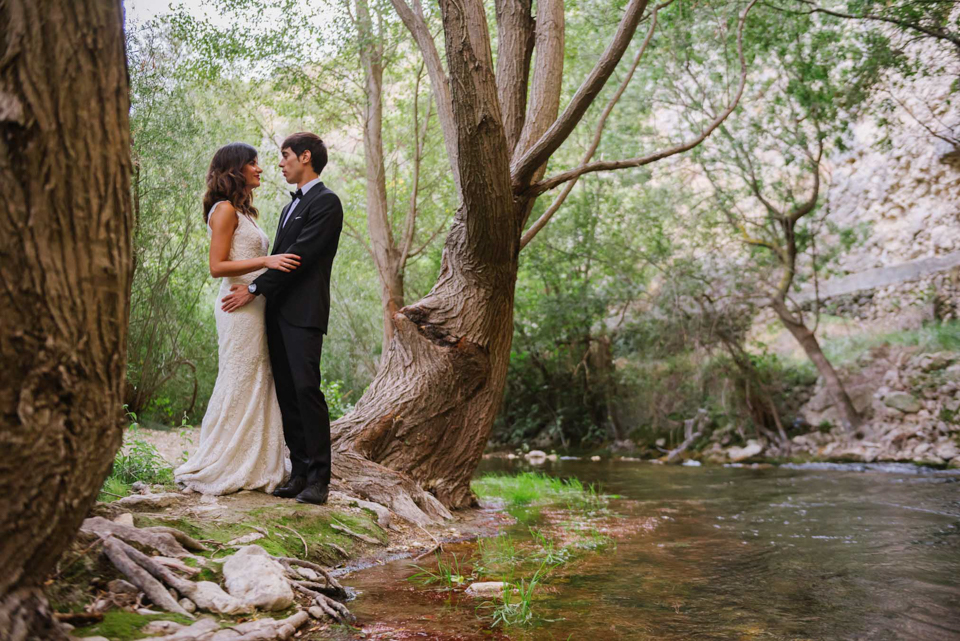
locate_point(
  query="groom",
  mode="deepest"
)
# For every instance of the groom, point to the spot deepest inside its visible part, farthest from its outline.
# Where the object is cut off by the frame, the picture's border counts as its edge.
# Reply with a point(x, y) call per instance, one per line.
point(297, 308)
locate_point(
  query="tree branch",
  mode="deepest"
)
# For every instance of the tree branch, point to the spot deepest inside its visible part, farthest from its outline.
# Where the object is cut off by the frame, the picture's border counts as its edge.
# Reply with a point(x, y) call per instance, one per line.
point(598, 133)
point(416, 24)
point(515, 37)
point(559, 179)
point(524, 167)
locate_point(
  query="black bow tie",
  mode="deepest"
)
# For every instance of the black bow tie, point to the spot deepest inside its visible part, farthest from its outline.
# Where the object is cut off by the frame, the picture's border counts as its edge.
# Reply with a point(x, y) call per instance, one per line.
point(296, 194)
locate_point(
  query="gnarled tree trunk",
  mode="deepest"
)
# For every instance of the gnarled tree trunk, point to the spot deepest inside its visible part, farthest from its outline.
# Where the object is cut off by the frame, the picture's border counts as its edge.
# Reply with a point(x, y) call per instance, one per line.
point(65, 241)
point(429, 411)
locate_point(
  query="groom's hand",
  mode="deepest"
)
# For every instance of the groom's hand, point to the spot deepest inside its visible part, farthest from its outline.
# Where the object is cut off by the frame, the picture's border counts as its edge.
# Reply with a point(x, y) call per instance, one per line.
point(237, 298)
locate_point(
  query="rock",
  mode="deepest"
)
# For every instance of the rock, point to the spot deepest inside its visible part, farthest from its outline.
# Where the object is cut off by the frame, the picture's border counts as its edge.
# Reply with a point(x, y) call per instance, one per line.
point(594, 458)
point(188, 605)
point(155, 628)
point(903, 402)
point(752, 448)
point(486, 589)
point(947, 450)
point(147, 501)
point(660, 442)
point(691, 463)
point(552, 457)
point(246, 539)
point(535, 454)
point(140, 487)
point(96, 639)
point(626, 445)
point(119, 586)
point(125, 519)
point(210, 597)
point(315, 612)
point(256, 580)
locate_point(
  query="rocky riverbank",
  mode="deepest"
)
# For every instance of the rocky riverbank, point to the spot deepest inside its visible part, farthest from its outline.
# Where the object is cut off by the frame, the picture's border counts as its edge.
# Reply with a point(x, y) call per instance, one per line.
point(186, 567)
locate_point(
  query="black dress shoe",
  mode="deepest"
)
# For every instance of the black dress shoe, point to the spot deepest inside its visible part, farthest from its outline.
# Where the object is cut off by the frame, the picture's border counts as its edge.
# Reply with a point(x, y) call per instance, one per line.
point(293, 487)
point(315, 493)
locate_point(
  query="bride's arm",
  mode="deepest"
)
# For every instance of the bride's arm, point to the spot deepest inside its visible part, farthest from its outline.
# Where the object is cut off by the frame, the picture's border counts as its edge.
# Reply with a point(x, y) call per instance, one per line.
point(223, 222)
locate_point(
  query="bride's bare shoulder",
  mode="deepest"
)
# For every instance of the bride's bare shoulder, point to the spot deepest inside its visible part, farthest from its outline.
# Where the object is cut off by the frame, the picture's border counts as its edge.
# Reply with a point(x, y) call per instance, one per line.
point(223, 216)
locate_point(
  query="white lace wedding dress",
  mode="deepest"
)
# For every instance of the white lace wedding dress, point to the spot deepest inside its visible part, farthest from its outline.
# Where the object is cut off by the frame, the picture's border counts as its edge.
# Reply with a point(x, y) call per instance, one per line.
point(241, 437)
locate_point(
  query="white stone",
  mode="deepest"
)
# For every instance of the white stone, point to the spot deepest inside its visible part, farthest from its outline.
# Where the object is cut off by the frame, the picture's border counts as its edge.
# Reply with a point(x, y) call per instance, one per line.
point(256, 580)
point(210, 597)
point(316, 612)
point(188, 605)
point(486, 589)
point(594, 458)
point(752, 448)
point(246, 539)
point(535, 454)
point(691, 463)
point(124, 519)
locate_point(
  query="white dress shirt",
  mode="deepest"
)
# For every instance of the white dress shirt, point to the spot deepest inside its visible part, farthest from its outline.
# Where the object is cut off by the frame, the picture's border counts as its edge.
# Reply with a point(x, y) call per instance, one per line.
point(296, 202)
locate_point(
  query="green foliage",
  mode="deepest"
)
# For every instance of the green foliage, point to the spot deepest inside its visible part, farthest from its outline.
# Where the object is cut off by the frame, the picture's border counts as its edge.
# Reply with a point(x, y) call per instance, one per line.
point(139, 461)
point(515, 607)
point(448, 574)
point(528, 488)
point(336, 398)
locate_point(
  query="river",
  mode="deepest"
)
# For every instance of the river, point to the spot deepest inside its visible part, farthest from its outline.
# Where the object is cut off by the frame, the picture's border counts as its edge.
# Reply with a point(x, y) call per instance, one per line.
point(736, 553)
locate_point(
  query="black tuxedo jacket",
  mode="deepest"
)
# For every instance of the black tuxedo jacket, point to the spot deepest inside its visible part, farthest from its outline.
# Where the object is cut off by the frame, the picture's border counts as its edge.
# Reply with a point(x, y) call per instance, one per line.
point(302, 297)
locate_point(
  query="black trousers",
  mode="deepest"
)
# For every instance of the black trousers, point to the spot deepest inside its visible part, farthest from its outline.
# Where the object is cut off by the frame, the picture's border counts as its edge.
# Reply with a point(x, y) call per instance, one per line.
point(295, 357)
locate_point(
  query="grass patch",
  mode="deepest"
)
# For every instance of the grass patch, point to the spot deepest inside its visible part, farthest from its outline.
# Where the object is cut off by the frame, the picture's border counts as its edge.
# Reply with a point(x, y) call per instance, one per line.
point(933, 337)
point(113, 489)
point(120, 625)
point(530, 488)
point(449, 573)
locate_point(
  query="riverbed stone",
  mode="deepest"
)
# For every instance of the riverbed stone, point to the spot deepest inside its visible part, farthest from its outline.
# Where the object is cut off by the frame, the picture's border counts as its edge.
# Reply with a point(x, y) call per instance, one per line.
point(903, 402)
point(256, 580)
point(486, 589)
point(752, 448)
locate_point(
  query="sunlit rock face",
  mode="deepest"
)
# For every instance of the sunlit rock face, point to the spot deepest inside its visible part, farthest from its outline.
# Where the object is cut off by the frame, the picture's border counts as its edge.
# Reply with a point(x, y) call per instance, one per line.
point(899, 186)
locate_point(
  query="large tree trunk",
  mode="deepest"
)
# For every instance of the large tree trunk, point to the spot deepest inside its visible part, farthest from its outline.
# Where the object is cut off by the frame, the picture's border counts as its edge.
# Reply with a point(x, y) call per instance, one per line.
point(428, 413)
point(65, 241)
point(811, 347)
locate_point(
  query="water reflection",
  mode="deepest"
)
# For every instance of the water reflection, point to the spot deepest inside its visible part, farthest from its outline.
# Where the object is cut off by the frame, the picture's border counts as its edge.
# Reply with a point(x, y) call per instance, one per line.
point(736, 554)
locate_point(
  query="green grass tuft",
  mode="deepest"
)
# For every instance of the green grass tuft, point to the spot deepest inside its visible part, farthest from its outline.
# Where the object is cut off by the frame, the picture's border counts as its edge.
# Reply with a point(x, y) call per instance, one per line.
point(531, 487)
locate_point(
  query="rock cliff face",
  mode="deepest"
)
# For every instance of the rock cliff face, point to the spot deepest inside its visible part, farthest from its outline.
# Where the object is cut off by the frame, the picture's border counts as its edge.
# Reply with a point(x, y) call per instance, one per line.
point(899, 186)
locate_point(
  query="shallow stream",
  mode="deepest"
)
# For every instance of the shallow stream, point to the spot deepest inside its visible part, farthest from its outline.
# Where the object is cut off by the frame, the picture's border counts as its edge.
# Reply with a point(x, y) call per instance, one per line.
point(726, 553)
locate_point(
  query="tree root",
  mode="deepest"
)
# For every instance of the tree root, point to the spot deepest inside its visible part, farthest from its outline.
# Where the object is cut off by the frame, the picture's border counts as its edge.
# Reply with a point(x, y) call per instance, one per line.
point(265, 629)
point(155, 577)
point(116, 551)
point(333, 609)
point(332, 586)
point(380, 484)
point(362, 537)
point(165, 540)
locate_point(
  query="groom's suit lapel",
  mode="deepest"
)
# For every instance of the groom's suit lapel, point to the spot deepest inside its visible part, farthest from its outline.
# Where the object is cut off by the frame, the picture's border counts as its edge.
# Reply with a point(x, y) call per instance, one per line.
point(300, 211)
point(276, 236)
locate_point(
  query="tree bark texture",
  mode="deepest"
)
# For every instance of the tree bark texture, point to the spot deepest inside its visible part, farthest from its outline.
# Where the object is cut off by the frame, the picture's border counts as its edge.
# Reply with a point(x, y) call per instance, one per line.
point(65, 241)
point(428, 413)
point(415, 438)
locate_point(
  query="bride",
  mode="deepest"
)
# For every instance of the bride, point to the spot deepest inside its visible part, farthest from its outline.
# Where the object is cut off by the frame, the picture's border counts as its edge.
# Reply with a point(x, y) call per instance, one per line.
point(241, 437)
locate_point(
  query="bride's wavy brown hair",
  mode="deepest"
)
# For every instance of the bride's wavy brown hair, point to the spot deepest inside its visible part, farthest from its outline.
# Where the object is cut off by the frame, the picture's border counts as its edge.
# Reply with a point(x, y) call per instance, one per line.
point(225, 179)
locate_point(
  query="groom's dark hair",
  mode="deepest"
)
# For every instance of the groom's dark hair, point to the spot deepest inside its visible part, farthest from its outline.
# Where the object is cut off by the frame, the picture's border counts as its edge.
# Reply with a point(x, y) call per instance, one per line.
point(306, 141)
